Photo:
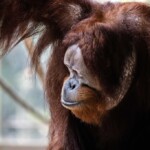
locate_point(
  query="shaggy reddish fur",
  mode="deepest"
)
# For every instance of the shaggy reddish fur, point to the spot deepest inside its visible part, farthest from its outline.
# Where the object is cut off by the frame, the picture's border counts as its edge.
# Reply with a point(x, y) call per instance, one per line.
point(116, 29)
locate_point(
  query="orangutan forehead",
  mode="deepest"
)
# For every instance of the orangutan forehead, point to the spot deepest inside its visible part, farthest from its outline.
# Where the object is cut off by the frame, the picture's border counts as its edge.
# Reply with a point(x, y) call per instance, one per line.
point(73, 56)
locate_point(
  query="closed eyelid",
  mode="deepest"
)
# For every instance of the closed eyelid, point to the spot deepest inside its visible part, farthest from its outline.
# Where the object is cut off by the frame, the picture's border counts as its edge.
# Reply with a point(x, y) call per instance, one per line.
point(74, 71)
point(78, 73)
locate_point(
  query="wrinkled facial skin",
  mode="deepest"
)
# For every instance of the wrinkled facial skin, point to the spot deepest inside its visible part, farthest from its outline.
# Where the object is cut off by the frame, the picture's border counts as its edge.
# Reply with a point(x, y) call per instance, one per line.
point(83, 93)
point(81, 90)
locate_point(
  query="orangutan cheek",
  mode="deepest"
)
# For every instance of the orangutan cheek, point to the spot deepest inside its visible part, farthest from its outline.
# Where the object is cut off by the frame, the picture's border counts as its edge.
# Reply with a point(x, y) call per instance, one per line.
point(82, 101)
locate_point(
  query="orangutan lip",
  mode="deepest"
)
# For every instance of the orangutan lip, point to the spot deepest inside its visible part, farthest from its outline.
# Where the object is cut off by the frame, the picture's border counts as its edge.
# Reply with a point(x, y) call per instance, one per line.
point(69, 103)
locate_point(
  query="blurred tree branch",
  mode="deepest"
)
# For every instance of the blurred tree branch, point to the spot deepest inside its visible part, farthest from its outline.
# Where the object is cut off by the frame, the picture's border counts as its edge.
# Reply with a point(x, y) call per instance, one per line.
point(22, 102)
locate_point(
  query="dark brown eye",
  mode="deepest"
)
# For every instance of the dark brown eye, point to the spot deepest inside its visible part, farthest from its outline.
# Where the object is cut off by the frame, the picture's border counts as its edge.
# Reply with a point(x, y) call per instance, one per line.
point(75, 72)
